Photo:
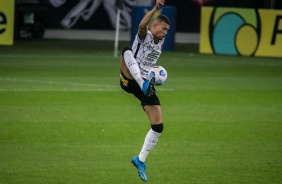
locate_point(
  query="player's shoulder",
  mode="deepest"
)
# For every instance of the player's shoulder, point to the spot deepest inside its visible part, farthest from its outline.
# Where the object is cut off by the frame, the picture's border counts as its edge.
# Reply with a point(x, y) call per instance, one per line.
point(148, 37)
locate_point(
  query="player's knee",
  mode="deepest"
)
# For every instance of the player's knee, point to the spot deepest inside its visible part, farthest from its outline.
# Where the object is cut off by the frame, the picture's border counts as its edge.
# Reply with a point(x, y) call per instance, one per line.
point(125, 49)
point(158, 127)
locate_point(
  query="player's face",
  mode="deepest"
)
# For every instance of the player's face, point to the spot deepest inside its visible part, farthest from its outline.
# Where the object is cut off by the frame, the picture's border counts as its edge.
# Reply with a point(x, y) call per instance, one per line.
point(161, 30)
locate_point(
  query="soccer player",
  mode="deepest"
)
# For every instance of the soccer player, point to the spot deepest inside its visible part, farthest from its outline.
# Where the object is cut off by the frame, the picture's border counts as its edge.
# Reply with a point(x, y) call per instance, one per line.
point(135, 63)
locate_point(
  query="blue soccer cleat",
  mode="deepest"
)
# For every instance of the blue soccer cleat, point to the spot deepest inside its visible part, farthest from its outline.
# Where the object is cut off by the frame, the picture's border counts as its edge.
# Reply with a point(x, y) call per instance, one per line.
point(148, 87)
point(141, 167)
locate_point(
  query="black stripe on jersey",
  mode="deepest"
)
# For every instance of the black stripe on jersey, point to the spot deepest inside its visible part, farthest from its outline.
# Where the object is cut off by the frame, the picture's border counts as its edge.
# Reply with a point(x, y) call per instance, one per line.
point(136, 52)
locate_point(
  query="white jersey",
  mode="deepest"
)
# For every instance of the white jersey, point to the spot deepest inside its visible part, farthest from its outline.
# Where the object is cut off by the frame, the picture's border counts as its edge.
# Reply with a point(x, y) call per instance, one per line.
point(146, 52)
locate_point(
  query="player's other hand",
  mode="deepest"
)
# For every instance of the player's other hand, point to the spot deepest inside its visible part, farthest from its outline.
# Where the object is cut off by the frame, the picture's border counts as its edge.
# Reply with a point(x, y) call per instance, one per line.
point(159, 3)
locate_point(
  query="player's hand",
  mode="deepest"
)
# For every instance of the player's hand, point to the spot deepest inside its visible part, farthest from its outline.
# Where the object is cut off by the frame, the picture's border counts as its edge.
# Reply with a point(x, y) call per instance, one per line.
point(159, 3)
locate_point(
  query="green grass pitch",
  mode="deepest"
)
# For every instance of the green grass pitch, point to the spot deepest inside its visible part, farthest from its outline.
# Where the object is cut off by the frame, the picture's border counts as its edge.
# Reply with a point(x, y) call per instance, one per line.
point(64, 118)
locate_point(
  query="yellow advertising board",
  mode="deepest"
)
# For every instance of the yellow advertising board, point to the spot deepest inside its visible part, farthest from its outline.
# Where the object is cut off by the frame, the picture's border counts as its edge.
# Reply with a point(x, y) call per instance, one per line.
point(7, 8)
point(241, 31)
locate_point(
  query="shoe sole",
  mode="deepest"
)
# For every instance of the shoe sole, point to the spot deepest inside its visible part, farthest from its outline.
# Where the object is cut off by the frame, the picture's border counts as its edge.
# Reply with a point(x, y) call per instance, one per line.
point(151, 87)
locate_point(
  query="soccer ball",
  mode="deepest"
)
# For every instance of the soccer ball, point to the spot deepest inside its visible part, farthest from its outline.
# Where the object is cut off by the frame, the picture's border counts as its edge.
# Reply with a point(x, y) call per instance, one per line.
point(159, 73)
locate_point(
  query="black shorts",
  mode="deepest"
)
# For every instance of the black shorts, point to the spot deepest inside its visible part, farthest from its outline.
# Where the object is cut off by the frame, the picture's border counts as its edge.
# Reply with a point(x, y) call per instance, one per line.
point(131, 86)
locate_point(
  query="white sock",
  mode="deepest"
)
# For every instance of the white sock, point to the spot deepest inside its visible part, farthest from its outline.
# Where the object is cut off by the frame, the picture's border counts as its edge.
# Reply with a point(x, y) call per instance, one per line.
point(150, 141)
point(133, 68)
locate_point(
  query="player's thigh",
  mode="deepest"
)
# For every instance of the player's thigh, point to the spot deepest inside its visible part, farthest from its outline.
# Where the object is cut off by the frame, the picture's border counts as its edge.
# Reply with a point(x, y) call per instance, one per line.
point(154, 113)
point(124, 68)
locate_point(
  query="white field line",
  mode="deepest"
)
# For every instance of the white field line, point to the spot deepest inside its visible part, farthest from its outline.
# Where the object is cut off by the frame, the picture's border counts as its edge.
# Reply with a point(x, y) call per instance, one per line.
point(60, 90)
point(97, 87)
point(52, 56)
point(69, 90)
point(55, 82)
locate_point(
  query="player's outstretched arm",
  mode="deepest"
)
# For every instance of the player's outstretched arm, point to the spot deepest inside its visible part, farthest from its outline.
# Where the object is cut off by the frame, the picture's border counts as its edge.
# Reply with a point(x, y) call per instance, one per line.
point(143, 26)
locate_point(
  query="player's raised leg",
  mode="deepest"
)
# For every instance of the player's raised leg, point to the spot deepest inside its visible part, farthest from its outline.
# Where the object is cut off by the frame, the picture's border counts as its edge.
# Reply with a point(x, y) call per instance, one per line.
point(132, 70)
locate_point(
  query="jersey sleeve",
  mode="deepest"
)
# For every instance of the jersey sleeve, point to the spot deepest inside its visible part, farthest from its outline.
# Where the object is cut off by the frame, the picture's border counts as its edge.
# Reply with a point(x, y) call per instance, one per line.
point(146, 39)
point(138, 39)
